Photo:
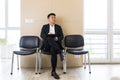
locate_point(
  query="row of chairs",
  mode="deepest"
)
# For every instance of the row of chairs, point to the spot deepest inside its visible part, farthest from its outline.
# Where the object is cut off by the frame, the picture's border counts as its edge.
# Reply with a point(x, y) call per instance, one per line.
point(31, 45)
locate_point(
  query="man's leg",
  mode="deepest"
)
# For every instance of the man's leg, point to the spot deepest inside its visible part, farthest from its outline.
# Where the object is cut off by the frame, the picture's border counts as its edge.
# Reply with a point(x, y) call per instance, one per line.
point(54, 49)
point(55, 46)
point(54, 64)
point(53, 60)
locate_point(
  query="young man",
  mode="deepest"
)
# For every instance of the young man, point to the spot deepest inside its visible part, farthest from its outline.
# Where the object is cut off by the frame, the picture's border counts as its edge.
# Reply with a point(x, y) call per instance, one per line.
point(52, 37)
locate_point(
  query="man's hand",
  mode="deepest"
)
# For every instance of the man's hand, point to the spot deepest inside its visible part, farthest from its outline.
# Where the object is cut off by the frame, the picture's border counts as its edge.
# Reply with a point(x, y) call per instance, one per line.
point(56, 38)
point(50, 33)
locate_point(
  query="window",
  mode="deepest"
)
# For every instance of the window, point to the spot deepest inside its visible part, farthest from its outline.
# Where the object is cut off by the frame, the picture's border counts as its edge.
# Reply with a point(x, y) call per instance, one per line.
point(9, 26)
point(116, 29)
point(2, 34)
point(2, 13)
point(95, 15)
point(14, 13)
point(102, 29)
point(97, 45)
point(95, 27)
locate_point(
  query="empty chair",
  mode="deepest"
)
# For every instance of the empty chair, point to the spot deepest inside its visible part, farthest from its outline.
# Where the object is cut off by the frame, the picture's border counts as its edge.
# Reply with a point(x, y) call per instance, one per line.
point(28, 45)
point(74, 45)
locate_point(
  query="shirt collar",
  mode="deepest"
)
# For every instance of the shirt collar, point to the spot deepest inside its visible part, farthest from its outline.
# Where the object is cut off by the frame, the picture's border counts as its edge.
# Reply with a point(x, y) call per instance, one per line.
point(51, 25)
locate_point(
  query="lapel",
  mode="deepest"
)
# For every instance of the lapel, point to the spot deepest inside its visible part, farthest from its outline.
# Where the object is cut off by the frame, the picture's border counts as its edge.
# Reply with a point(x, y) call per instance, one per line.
point(48, 27)
point(55, 29)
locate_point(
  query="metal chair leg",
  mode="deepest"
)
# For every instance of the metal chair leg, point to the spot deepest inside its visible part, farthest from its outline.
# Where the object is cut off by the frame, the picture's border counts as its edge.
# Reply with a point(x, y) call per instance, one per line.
point(40, 60)
point(64, 63)
point(12, 64)
point(36, 64)
point(89, 63)
point(18, 62)
point(85, 61)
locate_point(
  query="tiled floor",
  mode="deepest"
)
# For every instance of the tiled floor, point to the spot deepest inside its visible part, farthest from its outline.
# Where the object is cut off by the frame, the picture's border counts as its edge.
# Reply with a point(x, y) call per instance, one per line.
point(99, 72)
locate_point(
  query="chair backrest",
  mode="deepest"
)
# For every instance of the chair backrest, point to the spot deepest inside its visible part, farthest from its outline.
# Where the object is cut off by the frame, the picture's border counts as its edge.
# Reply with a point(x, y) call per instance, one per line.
point(73, 41)
point(29, 42)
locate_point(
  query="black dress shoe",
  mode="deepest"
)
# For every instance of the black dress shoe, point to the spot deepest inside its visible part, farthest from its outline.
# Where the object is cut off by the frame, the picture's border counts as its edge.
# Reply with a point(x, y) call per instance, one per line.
point(55, 75)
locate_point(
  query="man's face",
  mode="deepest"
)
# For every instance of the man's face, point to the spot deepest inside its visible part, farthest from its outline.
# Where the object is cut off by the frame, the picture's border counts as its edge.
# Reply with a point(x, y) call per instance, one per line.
point(52, 19)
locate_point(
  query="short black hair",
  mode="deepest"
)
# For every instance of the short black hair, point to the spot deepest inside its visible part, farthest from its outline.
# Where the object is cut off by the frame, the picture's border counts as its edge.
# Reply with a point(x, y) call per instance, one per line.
point(51, 14)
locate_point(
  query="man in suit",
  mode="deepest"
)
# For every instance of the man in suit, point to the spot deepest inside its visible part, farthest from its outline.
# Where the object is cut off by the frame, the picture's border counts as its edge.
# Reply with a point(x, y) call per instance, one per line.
point(52, 36)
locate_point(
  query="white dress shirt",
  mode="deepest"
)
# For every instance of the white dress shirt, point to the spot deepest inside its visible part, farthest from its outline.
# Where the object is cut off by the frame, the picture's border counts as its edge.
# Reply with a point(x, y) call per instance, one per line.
point(52, 29)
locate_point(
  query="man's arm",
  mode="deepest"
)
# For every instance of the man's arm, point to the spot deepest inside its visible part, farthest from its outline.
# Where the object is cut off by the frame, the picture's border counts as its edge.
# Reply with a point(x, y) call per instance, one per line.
point(60, 37)
point(43, 32)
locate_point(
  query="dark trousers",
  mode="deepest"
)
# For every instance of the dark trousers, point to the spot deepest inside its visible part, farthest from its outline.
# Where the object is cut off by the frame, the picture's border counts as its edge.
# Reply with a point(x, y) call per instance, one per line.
point(54, 49)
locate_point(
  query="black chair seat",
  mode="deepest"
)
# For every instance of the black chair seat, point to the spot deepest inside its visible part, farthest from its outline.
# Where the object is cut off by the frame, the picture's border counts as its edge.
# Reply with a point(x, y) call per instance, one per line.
point(49, 53)
point(46, 52)
point(77, 51)
point(25, 52)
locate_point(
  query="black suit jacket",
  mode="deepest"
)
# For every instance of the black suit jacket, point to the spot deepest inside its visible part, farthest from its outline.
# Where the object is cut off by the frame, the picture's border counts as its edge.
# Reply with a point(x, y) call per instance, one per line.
point(58, 33)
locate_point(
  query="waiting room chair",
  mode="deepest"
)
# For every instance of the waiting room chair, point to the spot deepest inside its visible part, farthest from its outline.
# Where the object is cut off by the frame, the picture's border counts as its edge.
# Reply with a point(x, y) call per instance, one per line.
point(73, 43)
point(28, 45)
point(62, 56)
